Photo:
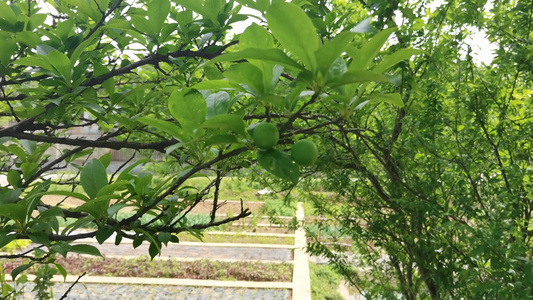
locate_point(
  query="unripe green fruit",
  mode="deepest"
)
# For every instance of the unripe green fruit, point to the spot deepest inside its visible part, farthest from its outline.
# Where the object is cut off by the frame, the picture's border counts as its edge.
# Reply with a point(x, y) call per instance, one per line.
point(304, 152)
point(265, 135)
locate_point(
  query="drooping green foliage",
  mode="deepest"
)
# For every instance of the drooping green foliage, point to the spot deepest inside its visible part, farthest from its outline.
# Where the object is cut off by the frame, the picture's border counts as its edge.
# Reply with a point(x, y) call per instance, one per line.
point(437, 195)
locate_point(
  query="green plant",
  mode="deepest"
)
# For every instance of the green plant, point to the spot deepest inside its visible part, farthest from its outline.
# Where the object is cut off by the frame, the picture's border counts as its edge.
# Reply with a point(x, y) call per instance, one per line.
point(425, 151)
point(278, 207)
point(12, 290)
point(43, 283)
point(171, 268)
point(324, 282)
point(15, 245)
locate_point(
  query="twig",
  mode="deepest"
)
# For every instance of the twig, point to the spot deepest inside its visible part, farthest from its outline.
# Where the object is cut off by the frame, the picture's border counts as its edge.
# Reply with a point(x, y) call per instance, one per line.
point(71, 286)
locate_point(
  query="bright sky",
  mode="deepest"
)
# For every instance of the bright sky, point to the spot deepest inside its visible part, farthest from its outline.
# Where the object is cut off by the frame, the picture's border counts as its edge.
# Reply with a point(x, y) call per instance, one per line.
point(482, 49)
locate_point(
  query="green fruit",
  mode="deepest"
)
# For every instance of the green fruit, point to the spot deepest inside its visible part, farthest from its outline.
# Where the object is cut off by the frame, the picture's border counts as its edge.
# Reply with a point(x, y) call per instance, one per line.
point(304, 152)
point(265, 135)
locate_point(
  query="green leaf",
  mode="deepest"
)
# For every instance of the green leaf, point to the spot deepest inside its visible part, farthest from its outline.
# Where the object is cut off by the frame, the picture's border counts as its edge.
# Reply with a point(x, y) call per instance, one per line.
point(40, 238)
point(295, 31)
point(105, 160)
point(270, 55)
point(13, 211)
point(118, 238)
point(61, 64)
point(61, 248)
point(37, 60)
point(357, 76)
point(142, 25)
point(164, 237)
point(131, 167)
point(188, 107)
point(110, 189)
point(28, 169)
point(20, 269)
point(249, 75)
point(7, 13)
point(256, 36)
point(218, 85)
point(8, 47)
point(394, 99)
point(279, 164)
point(137, 241)
point(9, 196)
point(93, 177)
point(154, 250)
point(226, 122)
point(18, 151)
point(85, 249)
point(217, 103)
point(51, 213)
point(193, 5)
point(80, 223)
point(222, 139)
point(158, 11)
point(212, 9)
point(83, 46)
point(6, 239)
point(61, 270)
point(165, 126)
point(36, 20)
point(365, 55)
point(330, 51)
point(13, 178)
point(113, 209)
point(394, 58)
point(103, 234)
point(97, 207)
point(30, 39)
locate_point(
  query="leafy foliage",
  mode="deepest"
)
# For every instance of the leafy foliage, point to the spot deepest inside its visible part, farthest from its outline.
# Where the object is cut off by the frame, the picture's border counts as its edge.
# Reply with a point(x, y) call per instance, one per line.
point(93, 78)
point(437, 195)
point(427, 152)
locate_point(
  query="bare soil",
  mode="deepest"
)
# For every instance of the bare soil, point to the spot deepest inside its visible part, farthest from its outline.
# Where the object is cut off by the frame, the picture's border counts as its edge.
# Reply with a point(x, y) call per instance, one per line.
point(204, 207)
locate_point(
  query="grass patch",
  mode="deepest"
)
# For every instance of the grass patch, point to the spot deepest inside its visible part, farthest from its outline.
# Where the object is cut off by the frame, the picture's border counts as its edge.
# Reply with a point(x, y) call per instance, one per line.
point(278, 207)
point(144, 267)
point(15, 245)
point(324, 282)
point(238, 238)
point(231, 188)
point(191, 219)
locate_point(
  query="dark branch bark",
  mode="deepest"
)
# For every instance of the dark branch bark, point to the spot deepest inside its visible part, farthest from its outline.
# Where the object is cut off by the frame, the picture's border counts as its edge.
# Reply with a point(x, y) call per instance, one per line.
point(115, 145)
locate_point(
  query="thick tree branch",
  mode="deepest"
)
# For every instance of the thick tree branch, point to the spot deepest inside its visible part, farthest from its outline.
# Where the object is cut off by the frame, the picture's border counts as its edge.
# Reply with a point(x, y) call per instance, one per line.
point(153, 59)
point(115, 145)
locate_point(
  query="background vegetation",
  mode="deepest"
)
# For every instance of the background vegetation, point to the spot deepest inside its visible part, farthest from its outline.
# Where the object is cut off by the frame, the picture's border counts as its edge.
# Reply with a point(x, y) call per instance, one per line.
point(425, 151)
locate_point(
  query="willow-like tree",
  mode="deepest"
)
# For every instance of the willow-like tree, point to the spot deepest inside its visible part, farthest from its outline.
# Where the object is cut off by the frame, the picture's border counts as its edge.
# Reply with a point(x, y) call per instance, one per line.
point(437, 195)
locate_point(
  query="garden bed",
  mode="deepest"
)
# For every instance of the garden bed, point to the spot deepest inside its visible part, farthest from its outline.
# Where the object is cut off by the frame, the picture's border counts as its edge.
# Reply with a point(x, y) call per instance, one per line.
point(171, 268)
point(239, 238)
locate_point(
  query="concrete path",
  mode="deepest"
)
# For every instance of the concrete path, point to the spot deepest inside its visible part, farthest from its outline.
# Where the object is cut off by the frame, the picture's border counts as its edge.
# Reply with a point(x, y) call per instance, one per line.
point(158, 292)
point(300, 276)
point(198, 251)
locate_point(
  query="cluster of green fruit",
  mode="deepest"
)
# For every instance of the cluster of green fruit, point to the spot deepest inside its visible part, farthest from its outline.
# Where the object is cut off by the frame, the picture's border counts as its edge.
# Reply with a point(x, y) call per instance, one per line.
point(266, 136)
